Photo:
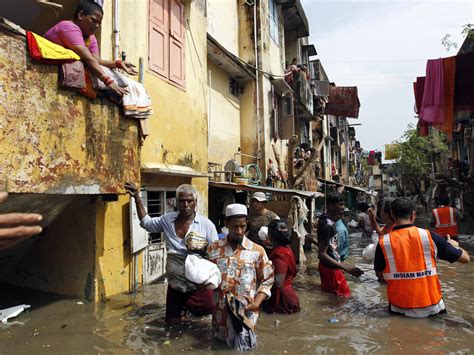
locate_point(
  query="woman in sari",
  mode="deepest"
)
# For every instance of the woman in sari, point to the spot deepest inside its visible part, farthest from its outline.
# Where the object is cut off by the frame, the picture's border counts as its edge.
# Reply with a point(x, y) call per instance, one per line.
point(284, 298)
point(78, 36)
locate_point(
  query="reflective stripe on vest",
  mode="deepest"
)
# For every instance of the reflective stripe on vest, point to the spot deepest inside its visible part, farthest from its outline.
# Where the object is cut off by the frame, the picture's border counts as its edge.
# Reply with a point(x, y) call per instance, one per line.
point(394, 274)
point(452, 221)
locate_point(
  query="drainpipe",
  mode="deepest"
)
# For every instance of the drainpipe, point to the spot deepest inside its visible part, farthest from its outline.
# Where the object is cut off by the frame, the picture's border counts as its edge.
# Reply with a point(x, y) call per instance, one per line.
point(257, 86)
point(209, 110)
point(116, 29)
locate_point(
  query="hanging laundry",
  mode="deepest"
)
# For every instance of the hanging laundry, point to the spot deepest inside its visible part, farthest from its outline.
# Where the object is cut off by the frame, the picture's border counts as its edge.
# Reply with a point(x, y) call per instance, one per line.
point(449, 72)
point(423, 128)
point(112, 74)
point(71, 75)
point(45, 51)
point(418, 88)
point(464, 87)
point(432, 107)
point(343, 101)
point(371, 158)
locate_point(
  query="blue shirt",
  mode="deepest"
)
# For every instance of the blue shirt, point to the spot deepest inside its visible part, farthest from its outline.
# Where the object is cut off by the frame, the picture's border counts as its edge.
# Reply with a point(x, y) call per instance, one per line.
point(165, 224)
point(342, 240)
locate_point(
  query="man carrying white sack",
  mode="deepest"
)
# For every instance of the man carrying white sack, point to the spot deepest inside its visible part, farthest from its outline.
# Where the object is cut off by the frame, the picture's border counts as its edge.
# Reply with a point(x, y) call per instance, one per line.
point(247, 278)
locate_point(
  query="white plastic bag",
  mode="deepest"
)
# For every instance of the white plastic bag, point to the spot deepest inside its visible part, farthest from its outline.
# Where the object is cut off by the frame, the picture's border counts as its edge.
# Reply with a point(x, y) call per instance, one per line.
point(368, 254)
point(202, 271)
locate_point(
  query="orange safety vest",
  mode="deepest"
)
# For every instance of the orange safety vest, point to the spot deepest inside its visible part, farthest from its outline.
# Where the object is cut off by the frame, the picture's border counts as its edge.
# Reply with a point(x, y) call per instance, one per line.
point(410, 271)
point(445, 221)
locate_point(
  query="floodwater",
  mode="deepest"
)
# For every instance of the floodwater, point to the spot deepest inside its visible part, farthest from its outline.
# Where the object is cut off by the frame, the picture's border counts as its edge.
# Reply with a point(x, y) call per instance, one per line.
point(134, 323)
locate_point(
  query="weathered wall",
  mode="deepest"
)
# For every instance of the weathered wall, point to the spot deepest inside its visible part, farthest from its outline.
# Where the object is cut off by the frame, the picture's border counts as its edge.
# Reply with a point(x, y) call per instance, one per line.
point(55, 140)
point(62, 258)
point(177, 112)
point(114, 264)
point(222, 23)
point(224, 117)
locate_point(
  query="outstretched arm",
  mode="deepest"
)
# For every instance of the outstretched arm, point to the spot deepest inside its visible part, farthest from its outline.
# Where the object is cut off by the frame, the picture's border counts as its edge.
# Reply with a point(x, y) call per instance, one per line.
point(135, 193)
point(16, 227)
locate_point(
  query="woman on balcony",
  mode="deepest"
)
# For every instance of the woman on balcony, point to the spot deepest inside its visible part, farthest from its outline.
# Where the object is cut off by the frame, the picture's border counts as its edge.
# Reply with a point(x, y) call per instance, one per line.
point(78, 36)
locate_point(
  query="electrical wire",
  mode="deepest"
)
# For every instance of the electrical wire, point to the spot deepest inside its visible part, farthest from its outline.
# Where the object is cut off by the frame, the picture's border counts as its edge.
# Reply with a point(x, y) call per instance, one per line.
point(377, 61)
point(379, 78)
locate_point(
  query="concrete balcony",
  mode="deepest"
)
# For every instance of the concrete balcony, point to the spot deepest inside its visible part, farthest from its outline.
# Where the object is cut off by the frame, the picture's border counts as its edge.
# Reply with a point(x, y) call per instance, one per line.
point(56, 141)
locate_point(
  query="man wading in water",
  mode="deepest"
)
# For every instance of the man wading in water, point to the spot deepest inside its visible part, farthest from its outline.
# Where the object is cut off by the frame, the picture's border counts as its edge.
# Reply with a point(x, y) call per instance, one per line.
point(181, 296)
point(330, 266)
point(406, 259)
point(247, 278)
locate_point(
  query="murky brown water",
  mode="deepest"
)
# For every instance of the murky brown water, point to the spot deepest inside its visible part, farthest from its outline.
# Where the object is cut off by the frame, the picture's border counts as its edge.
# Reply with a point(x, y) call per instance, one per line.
point(134, 324)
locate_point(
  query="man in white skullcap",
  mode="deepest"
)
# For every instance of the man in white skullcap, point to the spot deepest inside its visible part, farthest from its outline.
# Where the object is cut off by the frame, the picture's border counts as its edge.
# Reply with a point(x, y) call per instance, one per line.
point(247, 277)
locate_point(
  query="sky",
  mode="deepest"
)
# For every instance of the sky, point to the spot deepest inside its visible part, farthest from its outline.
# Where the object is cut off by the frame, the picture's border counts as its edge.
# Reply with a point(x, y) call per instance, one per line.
point(381, 47)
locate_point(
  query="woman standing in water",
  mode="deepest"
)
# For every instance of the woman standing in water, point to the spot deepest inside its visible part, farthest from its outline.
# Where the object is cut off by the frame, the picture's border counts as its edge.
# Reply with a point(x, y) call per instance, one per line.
point(284, 298)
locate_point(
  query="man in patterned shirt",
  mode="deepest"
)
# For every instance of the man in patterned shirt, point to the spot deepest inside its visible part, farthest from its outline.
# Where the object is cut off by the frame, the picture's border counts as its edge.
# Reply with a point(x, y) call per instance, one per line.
point(246, 271)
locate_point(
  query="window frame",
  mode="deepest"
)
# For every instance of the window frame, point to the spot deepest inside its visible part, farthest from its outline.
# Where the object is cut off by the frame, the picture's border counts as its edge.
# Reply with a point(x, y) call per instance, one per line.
point(273, 22)
point(174, 39)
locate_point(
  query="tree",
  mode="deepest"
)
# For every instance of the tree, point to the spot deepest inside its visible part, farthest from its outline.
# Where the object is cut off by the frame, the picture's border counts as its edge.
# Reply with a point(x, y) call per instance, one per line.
point(446, 41)
point(417, 154)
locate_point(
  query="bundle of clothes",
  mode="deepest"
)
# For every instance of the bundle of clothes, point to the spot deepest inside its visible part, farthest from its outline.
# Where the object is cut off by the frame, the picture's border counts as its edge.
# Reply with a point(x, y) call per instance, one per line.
point(73, 75)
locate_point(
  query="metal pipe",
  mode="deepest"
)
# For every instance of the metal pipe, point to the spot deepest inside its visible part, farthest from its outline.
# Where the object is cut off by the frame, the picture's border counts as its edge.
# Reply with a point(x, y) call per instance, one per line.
point(116, 29)
point(209, 110)
point(257, 86)
point(141, 70)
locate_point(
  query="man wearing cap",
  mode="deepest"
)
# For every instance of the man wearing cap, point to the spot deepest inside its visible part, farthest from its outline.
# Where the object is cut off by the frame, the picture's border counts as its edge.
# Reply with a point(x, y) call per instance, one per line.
point(175, 226)
point(246, 271)
point(259, 216)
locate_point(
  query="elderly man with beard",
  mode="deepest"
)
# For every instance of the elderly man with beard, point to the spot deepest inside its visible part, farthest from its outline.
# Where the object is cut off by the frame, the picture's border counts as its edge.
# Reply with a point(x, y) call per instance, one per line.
point(181, 296)
point(247, 278)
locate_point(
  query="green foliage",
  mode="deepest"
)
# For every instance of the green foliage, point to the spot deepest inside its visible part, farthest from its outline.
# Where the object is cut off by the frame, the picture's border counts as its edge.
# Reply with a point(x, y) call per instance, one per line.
point(416, 152)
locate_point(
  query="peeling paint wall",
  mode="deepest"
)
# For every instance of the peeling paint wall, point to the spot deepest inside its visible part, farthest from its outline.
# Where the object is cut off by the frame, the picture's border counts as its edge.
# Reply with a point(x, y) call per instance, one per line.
point(55, 140)
point(178, 128)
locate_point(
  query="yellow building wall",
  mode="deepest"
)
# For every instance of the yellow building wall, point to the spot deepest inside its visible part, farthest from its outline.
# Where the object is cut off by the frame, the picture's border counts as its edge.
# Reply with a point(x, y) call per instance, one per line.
point(178, 112)
point(224, 117)
point(115, 268)
point(178, 131)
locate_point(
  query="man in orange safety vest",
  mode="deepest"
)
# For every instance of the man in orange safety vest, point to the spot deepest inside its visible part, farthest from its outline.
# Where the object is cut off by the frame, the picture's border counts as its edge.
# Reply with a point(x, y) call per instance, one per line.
point(445, 219)
point(406, 258)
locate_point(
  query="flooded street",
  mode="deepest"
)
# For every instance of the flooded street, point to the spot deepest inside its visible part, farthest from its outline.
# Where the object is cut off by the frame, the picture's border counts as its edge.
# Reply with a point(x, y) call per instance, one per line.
point(134, 323)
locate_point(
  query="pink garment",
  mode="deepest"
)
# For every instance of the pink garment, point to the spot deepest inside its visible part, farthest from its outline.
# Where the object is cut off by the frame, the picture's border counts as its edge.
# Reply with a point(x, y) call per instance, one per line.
point(68, 34)
point(432, 107)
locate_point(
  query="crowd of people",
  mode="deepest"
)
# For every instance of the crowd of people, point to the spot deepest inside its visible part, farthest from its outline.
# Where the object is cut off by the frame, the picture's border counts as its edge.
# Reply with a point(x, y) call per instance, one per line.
point(257, 273)
point(247, 274)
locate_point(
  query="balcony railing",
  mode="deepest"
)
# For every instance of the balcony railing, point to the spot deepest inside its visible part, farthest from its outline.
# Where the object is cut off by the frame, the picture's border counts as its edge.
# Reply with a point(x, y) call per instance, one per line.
point(303, 94)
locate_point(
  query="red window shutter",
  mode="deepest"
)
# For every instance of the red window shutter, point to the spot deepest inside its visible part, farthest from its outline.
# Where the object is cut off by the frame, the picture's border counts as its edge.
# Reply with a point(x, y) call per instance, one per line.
point(176, 40)
point(176, 61)
point(159, 13)
point(158, 37)
point(177, 20)
point(158, 50)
